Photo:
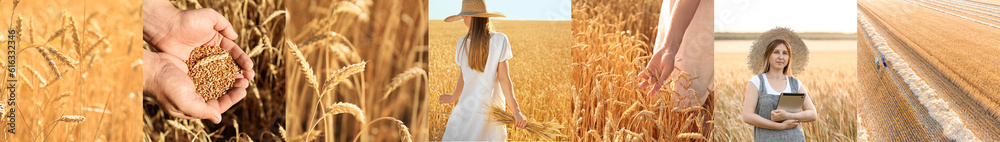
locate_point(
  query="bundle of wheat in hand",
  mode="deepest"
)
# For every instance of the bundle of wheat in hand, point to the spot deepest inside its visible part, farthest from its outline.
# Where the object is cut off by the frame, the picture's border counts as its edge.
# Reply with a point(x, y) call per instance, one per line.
point(543, 130)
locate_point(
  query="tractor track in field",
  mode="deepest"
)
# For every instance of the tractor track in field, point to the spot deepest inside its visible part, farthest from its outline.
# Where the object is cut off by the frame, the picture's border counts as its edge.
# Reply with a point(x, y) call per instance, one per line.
point(976, 118)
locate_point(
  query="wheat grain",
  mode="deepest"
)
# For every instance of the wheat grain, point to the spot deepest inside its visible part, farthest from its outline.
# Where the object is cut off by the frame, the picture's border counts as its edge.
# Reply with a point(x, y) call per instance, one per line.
point(209, 60)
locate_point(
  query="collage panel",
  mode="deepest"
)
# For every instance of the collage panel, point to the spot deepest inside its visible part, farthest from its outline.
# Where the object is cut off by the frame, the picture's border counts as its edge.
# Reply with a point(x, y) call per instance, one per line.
point(764, 56)
point(318, 71)
point(501, 70)
point(643, 70)
point(71, 71)
point(935, 62)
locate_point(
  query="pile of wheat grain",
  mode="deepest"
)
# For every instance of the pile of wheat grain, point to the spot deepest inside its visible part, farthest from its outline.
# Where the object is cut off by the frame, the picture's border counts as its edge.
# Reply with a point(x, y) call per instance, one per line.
point(213, 71)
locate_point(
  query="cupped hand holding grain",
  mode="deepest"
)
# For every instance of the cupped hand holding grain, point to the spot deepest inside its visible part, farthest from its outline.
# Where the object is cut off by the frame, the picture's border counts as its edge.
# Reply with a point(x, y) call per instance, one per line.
point(165, 78)
point(177, 32)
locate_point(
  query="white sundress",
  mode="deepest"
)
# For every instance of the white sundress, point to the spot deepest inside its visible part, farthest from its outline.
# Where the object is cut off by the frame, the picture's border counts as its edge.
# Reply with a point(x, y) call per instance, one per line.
point(468, 120)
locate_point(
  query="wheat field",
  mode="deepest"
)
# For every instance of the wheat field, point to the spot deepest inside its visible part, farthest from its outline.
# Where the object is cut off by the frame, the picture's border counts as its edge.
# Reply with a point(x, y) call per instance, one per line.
point(76, 69)
point(383, 44)
point(948, 71)
point(539, 72)
point(830, 76)
point(612, 43)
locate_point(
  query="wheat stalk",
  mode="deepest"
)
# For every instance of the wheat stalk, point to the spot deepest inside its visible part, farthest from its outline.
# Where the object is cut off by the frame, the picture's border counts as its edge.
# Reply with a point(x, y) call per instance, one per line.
point(692, 136)
point(304, 66)
point(62, 57)
point(338, 108)
point(402, 77)
point(341, 75)
point(402, 128)
point(48, 59)
point(72, 118)
point(64, 118)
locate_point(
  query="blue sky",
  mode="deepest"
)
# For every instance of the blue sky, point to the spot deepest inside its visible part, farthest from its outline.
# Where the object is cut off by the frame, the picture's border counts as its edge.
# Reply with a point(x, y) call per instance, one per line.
point(513, 9)
point(799, 15)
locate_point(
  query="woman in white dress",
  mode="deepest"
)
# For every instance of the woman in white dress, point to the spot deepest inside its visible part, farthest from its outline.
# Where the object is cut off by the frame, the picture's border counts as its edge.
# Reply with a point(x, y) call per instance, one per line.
point(482, 54)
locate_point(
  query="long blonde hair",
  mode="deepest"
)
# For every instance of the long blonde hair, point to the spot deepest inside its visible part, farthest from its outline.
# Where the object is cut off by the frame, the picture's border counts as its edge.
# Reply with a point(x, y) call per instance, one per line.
point(478, 50)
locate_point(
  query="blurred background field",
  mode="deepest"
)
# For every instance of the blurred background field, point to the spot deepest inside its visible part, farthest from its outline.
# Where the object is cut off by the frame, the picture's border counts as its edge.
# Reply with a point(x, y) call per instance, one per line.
point(84, 84)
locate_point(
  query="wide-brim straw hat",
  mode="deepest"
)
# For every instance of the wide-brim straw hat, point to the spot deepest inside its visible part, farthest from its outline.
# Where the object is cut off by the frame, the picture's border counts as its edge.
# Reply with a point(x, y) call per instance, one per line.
point(474, 8)
point(800, 54)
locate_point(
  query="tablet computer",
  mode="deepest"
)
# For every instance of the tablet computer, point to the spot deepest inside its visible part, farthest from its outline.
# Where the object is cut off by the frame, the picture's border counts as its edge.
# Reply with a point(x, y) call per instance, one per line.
point(791, 102)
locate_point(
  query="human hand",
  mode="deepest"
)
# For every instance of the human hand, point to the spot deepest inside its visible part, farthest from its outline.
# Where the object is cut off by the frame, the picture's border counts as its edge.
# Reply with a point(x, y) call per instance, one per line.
point(446, 98)
point(788, 124)
point(178, 33)
point(165, 78)
point(519, 120)
point(657, 71)
point(779, 115)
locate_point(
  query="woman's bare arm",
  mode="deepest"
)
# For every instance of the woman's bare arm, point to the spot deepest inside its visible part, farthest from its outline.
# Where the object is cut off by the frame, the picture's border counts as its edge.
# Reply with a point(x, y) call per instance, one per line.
point(459, 86)
point(669, 35)
point(448, 98)
point(507, 87)
point(808, 113)
point(503, 77)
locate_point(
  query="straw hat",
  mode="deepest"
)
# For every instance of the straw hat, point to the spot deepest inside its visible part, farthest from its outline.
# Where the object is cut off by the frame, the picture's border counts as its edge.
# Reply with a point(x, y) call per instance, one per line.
point(800, 54)
point(474, 8)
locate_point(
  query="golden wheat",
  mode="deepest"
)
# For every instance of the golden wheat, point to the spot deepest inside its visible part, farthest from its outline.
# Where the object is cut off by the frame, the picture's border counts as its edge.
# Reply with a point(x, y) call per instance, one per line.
point(72, 118)
point(257, 114)
point(609, 53)
point(547, 131)
point(950, 83)
point(213, 71)
point(304, 66)
point(539, 73)
point(342, 74)
point(83, 81)
point(402, 77)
